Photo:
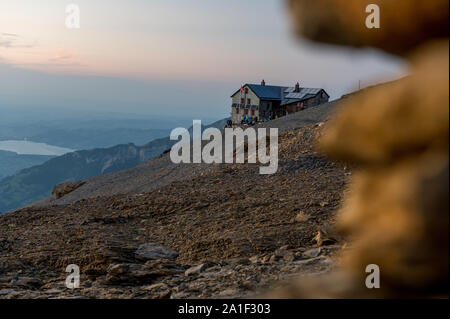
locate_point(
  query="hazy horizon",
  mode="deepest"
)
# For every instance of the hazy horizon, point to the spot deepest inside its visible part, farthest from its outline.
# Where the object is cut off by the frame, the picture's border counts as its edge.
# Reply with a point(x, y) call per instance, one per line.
point(166, 58)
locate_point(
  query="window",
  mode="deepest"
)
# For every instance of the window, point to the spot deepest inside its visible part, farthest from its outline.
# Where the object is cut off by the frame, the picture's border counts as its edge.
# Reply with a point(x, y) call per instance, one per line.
point(242, 100)
point(249, 102)
point(237, 110)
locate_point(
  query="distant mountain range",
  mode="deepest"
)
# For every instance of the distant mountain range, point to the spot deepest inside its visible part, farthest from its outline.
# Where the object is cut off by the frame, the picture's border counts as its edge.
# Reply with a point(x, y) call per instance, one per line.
point(34, 183)
point(82, 138)
point(11, 163)
point(84, 130)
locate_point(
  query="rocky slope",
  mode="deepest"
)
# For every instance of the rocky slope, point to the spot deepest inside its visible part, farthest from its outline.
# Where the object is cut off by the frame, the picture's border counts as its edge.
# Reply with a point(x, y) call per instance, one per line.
point(160, 171)
point(35, 183)
point(223, 231)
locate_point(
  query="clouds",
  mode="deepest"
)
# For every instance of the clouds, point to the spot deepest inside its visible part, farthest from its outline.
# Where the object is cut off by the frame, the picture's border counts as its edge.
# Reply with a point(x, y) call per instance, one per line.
point(7, 40)
point(62, 56)
point(65, 58)
point(165, 53)
point(12, 40)
point(13, 35)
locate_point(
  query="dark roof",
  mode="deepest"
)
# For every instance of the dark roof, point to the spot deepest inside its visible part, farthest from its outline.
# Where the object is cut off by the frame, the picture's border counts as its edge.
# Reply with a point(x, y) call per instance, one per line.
point(282, 93)
point(267, 92)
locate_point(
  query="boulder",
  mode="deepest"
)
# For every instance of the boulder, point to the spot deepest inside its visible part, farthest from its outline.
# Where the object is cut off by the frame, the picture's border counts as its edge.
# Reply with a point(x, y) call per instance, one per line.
point(152, 270)
point(196, 269)
point(65, 188)
point(327, 235)
point(312, 253)
point(301, 217)
point(151, 251)
point(404, 24)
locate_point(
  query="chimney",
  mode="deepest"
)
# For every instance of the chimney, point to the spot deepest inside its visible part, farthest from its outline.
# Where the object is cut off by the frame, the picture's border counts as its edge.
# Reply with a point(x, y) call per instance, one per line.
point(263, 83)
point(297, 87)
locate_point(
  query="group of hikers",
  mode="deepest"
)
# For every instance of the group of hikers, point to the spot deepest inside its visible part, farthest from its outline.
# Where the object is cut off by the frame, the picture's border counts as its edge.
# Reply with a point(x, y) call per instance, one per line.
point(250, 121)
point(247, 120)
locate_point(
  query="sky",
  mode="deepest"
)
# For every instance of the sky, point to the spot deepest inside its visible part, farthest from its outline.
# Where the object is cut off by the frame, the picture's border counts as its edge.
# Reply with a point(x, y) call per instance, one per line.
point(166, 57)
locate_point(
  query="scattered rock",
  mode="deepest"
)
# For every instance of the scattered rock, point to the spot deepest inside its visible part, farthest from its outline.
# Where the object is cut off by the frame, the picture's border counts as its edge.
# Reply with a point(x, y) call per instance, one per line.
point(53, 291)
point(119, 273)
point(301, 217)
point(139, 274)
point(150, 251)
point(280, 252)
point(179, 295)
point(65, 188)
point(228, 292)
point(289, 256)
point(298, 255)
point(327, 235)
point(266, 259)
point(323, 204)
point(274, 258)
point(69, 297)
point(4, 292)
point(312, 253)
point(319, 260)
point(254, 259)
point(166, 294)
point(27, 282)
point(196, 270)
point(240, 261)
point(154, 287)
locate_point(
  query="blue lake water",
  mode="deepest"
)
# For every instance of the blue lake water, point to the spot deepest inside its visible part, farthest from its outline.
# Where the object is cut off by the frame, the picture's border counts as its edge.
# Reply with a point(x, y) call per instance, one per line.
point(32, 148)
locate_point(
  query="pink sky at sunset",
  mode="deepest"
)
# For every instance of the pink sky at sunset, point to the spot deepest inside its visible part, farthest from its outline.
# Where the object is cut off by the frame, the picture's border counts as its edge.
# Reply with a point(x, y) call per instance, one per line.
point(180, 40)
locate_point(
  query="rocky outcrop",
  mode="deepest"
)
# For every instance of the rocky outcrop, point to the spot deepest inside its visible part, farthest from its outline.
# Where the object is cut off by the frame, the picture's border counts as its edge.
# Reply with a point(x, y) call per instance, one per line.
point(162, 278)
point(402, 192)
point(150, 251)
point(138, 274)
point(65, 188)
point(396, 211)
point(196, 269)
point(404, 24)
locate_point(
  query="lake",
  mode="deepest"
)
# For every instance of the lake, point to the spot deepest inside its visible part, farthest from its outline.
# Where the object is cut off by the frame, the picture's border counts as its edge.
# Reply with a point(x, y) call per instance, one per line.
point(32, 148)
